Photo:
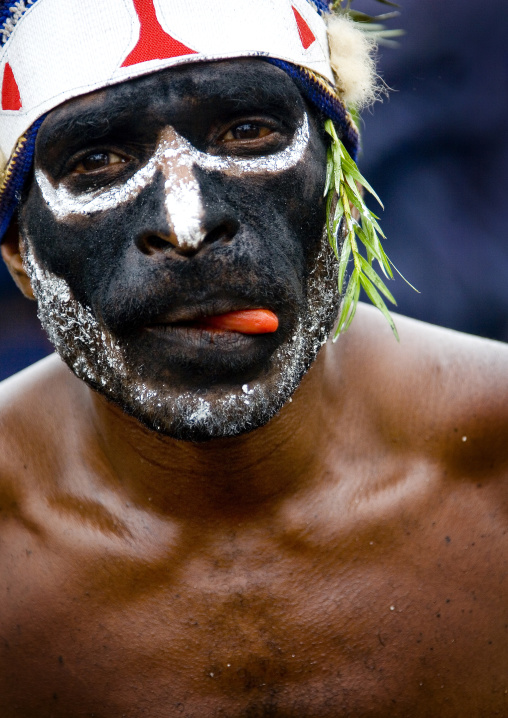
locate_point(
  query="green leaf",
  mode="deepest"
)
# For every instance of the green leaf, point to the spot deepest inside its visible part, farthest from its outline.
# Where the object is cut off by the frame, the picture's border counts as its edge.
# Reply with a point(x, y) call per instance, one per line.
point(372, 249)
point(387, 264)
point(362, 17)
point(378, 302)
point(403, 277)
point(354, 304)
point(339, 213)
point(388, 2)
point(390, 33)
point(333, 225)
point(344, 259)
point(342, 190)
point(339, 209)
point(387, 16)
point(330, 128)
point(332, 242)
point(349, 295)
point(336, 155)
point(337, 165)
point(353, 185)
point(376, 280)
point(349, 304)
point(370, 239)
point(375, 224)
point(329, 172)
point(349, 167)
point(354, 199)
point(368, 236)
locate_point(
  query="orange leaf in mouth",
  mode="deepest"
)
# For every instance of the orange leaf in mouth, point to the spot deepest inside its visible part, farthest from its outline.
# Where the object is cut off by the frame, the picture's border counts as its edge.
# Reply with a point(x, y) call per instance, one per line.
point(244, 321)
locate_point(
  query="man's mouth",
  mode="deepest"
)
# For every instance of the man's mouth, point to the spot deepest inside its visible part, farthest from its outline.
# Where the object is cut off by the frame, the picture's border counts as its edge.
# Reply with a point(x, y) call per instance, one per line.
point(241, 321)
point(219, 339)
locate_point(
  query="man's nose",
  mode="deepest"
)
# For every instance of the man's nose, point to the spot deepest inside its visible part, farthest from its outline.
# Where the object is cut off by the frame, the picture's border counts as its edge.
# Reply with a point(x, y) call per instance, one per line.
point(186, 221)
point(179, 219)
point(216, 226)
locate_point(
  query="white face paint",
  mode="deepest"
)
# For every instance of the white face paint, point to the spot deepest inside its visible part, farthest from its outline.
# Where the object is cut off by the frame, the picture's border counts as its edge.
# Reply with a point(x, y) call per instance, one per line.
point(97, 357)
point(176, 158)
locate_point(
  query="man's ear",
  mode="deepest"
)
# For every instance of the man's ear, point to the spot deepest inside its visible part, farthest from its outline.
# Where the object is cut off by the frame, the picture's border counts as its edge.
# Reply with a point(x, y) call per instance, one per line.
point(11, 253)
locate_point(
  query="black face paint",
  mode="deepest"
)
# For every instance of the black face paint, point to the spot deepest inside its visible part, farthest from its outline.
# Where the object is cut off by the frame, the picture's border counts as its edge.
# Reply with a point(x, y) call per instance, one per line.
point(190, 192)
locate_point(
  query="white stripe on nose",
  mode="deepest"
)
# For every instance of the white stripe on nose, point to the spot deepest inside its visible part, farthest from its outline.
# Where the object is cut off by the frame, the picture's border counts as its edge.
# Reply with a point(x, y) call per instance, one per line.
point(184, 205)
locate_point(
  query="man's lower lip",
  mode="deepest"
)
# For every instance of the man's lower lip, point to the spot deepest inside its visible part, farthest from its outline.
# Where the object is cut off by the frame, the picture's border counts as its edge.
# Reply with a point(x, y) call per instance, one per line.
point(193, 355)
point(199, 335)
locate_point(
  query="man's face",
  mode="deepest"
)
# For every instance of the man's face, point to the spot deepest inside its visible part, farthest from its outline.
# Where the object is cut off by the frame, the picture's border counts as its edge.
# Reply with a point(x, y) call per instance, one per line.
point(190, 192)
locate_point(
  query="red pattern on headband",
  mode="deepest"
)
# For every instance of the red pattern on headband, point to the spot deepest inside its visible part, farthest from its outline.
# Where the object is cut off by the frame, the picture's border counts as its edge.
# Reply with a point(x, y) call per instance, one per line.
point(154, 43)
point(11, 98)
point(306, 34)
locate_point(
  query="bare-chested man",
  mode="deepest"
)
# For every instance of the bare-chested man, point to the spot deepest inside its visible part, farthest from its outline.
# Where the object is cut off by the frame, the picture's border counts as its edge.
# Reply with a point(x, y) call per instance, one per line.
point(205, 519)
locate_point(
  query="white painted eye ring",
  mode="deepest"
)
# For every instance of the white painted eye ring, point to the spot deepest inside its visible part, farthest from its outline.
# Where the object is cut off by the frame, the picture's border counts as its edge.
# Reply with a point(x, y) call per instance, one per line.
point(64, 202)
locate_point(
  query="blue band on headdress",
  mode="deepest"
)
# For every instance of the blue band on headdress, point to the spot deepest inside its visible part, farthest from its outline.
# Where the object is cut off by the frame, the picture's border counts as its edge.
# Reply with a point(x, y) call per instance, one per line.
point(16, 176)
point(322, 6)
point(325, 100)
point(10, 14)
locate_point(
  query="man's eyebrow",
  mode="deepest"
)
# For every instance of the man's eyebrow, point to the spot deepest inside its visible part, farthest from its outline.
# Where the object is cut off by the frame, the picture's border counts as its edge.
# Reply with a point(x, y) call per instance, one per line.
point(243, 94)
point(93, 122)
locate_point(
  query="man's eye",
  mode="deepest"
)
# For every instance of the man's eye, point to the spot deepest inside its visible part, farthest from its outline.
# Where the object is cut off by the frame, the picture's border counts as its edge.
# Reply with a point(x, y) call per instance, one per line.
point(247, 131)
point(97, 161)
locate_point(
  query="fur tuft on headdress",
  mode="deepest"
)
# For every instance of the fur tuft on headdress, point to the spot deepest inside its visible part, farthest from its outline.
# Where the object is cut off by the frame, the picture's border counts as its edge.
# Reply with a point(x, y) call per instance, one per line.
point(352, 57)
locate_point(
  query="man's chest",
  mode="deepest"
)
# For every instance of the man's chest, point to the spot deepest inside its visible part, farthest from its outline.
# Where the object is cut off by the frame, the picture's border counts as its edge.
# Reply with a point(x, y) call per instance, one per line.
point(383, 621)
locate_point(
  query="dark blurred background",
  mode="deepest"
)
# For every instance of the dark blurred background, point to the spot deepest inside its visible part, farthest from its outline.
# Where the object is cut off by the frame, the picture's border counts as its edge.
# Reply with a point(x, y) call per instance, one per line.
point(437, 153)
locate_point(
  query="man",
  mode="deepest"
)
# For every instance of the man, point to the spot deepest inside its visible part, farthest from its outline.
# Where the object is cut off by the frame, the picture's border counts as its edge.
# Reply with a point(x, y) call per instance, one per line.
point(213, 515)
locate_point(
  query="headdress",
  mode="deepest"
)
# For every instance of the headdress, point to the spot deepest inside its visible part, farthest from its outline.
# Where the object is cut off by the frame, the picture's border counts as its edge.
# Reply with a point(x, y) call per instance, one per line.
point(55, 50)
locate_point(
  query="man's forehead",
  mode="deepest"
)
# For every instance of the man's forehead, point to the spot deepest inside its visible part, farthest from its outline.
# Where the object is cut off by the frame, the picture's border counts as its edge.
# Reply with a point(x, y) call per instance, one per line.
point(227, 87)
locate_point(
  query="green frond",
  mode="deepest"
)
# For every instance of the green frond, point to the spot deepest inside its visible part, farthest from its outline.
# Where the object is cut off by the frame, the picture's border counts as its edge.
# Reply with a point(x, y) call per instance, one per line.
point(345, 5)
point(343, 180)
point(371, 24)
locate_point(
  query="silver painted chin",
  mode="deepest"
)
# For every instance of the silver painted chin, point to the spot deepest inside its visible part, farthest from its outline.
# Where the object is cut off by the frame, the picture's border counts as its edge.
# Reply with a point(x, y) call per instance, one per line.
point(98, 358)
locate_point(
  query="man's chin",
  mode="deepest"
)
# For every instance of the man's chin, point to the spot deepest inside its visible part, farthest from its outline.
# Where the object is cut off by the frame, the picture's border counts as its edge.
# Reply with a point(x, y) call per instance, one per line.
point(195, 416)
point(204, 408)
point(201, 360)
point(204, 411)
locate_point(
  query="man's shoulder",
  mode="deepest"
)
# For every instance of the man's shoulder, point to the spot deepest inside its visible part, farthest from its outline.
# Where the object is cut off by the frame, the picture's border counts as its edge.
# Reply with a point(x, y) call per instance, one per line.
point(436, 387)
point(33, 408)
point(425, 346)
point(21, 394)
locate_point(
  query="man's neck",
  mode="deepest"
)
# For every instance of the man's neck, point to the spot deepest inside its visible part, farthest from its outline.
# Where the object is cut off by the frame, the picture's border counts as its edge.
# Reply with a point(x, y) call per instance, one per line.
point(222, 477)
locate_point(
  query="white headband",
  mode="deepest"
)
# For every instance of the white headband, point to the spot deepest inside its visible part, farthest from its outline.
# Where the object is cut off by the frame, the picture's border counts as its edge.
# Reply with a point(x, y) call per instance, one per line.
point(61, 49)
